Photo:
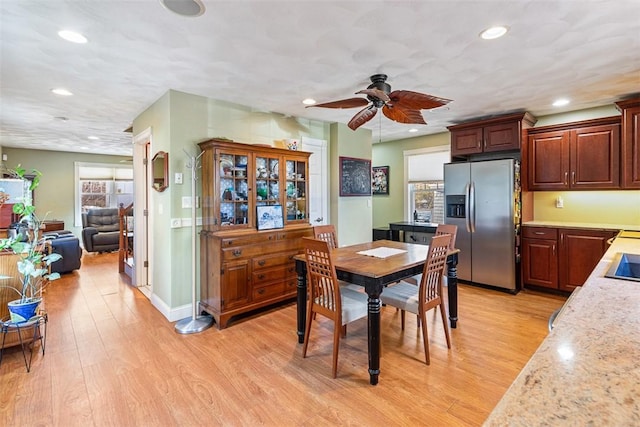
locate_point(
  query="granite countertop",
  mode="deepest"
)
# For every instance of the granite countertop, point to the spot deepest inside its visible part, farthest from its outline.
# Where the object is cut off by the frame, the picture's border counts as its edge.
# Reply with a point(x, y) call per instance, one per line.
point(589, 225)
point(587, 370)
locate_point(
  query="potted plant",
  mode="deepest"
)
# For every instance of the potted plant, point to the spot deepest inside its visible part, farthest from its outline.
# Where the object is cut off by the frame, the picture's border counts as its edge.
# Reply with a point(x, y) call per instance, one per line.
point(33, 260)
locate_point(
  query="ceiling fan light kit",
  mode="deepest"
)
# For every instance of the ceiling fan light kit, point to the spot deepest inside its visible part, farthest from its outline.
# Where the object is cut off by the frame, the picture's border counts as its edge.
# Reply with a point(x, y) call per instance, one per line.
point(402, 106)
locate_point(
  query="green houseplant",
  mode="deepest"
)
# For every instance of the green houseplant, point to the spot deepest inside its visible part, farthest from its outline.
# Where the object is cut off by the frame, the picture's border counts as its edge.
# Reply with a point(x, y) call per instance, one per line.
point(33, 259)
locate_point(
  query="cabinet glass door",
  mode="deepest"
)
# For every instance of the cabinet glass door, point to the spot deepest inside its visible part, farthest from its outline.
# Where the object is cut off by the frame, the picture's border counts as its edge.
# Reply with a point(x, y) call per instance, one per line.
point(233, 190)
point(267, 181)
point(296, 190)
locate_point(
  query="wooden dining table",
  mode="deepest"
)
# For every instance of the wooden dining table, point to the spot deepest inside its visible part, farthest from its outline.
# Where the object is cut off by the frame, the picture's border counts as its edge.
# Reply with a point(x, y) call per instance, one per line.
point(374, 274)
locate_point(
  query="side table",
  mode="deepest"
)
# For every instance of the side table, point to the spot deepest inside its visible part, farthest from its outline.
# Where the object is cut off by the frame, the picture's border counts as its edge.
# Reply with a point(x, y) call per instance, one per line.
point(39, 325)
point(53, 225)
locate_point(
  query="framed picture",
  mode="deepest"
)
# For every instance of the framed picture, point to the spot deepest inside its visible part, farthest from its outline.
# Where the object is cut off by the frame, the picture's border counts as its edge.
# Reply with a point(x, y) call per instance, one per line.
point(355, 177)
point(270, 217)
point(380, 180)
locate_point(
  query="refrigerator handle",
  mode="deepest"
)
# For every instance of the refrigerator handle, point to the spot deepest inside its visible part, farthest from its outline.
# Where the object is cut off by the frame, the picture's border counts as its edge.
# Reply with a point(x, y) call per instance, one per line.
point(472, 207)
point(467, 208)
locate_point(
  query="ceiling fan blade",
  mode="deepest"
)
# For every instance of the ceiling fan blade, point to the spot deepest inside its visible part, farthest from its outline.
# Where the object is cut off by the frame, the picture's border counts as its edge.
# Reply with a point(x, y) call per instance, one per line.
point(343, 103)
point(376, 93)
point(362, 117)
point(402, 115)
point(407, 99)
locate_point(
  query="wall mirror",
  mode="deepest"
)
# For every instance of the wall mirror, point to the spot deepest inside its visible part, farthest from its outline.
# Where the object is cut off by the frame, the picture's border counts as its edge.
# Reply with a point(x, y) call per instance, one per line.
point(160, 170)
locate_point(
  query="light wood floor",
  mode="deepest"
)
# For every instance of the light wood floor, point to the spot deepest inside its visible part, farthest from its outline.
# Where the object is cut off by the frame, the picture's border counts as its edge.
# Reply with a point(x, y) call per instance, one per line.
point(113, 360)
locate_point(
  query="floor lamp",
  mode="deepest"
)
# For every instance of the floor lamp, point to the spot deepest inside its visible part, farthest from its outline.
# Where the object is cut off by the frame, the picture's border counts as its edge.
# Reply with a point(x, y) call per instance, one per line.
point(195, 323)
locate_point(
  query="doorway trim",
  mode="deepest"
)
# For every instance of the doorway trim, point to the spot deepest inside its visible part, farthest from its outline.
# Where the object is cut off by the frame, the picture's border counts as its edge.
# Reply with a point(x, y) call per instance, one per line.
point(142, 146)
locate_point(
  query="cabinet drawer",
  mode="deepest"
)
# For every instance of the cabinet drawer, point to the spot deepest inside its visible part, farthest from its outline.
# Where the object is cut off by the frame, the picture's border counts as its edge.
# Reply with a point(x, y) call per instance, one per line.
point(251, 251)
point(247, 240)
point(272, 274)
point(540, 233)
point(267, 291)
point(273, 260)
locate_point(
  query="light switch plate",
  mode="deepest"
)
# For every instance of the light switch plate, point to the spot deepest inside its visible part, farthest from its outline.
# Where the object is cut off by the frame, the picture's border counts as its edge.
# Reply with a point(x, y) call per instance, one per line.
point(178, 178)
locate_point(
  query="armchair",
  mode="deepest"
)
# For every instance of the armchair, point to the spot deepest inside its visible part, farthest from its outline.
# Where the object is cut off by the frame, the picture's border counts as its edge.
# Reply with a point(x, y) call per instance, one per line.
point(101, 230)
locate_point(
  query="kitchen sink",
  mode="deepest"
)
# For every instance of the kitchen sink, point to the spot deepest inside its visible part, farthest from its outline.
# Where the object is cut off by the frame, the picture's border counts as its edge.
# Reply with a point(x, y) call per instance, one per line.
point(625, 266)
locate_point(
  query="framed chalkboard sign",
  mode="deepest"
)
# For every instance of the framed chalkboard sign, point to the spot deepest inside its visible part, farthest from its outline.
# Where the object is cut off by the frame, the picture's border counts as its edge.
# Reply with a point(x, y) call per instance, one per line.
point(355, 177)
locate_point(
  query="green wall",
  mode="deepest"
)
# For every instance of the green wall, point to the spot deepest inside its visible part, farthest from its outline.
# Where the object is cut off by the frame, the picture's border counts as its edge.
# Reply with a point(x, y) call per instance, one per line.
point(55, 194)
point(352, 216)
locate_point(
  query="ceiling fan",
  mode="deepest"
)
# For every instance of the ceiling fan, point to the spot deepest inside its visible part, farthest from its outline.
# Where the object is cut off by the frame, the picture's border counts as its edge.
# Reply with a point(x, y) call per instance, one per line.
point(402, 106)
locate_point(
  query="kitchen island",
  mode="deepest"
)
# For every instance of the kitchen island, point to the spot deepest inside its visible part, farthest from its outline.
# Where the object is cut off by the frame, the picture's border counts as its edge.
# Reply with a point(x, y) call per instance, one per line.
point(586, 371)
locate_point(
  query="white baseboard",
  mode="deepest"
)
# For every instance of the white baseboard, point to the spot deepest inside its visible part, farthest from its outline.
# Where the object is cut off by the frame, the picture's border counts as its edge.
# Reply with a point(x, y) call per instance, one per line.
point(172, 314)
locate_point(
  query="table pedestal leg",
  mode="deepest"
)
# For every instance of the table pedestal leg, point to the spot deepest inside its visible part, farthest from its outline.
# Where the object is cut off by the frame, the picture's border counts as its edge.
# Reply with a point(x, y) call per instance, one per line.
point(374, 338)
point(452, 288)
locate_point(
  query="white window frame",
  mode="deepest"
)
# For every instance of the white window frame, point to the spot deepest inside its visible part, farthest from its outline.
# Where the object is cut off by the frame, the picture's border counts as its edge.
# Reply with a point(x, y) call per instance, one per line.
point(408, 213)
point(76, 180)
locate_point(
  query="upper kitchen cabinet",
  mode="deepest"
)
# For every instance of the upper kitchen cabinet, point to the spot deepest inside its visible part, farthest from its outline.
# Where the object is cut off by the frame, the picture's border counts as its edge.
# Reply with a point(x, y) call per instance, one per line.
point(630, 144)
point(502, 133)
point(574, 156)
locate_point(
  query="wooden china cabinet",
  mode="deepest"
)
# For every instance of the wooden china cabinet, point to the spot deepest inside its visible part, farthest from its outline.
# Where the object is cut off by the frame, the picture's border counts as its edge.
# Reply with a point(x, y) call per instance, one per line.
point(255, 212)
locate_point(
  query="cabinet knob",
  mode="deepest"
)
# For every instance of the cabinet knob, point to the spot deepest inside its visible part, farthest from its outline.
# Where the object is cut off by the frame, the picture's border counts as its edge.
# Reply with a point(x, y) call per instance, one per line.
point(261, 291)
point(237, 252)
point(261, 276)
point(261, 262)
point(539, 233)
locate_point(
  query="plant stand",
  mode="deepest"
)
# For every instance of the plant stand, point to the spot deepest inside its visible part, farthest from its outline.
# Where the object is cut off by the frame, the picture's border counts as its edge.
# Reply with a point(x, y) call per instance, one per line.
point(39, 325)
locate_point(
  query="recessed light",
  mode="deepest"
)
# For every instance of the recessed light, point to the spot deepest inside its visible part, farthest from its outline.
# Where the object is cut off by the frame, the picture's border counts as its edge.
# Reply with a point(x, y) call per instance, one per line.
point(413, 130)
point(309, 101)
point(93, 138)
point(191, 8)
point(494, 32)
point(61, 91)
point(560, 102)
point(72, 36)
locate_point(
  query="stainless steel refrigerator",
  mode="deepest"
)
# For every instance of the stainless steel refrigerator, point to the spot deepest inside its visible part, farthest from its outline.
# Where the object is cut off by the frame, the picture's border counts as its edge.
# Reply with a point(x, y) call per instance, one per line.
point(483, 199)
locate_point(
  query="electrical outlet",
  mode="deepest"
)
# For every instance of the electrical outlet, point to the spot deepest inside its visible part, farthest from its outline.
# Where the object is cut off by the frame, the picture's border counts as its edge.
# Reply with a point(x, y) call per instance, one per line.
point(178, 178)
point(176, 223)
point(559, 202)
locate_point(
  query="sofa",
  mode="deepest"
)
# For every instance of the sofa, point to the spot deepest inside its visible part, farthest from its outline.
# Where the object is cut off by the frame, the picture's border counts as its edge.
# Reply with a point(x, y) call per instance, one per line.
point(101, 230)
point(67, 245)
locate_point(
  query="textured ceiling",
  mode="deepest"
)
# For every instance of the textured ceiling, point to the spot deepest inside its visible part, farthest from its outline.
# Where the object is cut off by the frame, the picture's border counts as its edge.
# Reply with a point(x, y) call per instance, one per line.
point(269, 55)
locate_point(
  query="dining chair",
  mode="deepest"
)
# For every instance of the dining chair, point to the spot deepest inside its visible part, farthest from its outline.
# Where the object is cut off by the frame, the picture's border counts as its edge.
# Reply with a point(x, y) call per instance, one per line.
point(427, 295)
point(326, 297)
point(326, 233)
point(440, 230)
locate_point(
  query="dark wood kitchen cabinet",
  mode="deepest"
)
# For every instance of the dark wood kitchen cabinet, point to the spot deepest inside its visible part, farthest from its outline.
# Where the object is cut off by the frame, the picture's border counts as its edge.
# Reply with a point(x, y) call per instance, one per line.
point(540, 256)
point(630, 144)
point(503, 133)
point(580, 251)
point(561, 258)
point(575, 156)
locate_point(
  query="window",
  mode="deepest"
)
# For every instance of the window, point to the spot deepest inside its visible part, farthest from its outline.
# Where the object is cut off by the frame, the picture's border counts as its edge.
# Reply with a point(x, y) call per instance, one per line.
point(425, 184)
point(101, 185)
point(427, 201)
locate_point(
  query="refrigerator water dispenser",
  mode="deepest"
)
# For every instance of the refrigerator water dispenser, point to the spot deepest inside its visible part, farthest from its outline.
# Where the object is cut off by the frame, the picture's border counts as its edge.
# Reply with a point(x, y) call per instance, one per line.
point(455, 206)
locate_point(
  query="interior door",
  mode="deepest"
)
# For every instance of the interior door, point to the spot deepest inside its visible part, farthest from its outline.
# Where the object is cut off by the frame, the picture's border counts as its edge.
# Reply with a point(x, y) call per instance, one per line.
point(318, 176)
